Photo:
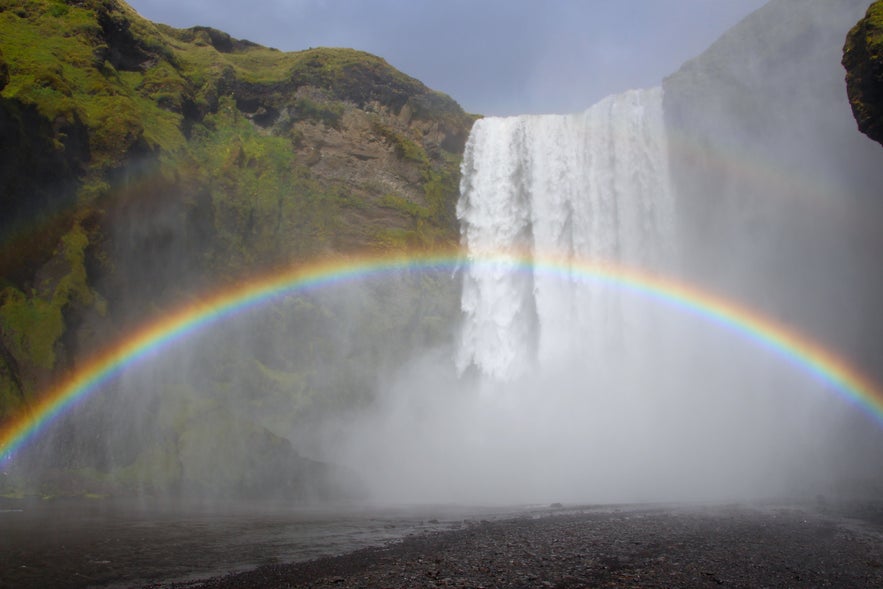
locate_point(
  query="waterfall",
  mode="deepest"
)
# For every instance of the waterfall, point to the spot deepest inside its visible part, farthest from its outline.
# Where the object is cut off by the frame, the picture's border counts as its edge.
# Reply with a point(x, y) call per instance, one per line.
point(589, 391)
point(592, 186)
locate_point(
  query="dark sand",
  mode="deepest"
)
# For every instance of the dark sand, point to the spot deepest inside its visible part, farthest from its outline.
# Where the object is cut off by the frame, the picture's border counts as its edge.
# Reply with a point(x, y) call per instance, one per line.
point(731, 546)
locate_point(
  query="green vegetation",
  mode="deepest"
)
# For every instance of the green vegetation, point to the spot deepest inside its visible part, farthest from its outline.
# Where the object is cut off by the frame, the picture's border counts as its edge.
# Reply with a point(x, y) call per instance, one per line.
point(328, 114)
point(863, 60)
point(59, 62)
point(180, 160)
point(32, 327)
point(404, 148)
point(33, 324)
point(264, 202)
point(867, 35)
point(875, 24)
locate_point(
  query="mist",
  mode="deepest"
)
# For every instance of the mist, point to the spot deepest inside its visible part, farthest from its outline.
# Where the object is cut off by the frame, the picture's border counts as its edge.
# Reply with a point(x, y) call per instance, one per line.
point(653, 428)
point(750, 182)
point(741, 176)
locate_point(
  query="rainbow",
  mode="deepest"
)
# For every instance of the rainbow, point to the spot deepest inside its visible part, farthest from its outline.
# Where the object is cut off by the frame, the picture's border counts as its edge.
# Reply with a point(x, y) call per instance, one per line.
point(806, 355)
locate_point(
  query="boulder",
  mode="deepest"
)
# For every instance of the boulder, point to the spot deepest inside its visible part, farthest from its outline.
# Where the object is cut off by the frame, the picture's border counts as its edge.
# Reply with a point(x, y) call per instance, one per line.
point(863, 60)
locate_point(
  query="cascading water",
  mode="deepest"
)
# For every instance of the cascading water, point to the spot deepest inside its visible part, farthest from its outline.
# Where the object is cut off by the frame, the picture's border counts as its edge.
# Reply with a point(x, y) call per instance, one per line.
point(593, 390)
point(586, 389)
point(592, 187)
point(594, 386)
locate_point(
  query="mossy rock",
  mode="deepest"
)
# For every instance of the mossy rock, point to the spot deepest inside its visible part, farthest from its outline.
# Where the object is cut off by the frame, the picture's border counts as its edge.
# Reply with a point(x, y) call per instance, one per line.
point(4, 72)
point(863, 60)
point(144, 165)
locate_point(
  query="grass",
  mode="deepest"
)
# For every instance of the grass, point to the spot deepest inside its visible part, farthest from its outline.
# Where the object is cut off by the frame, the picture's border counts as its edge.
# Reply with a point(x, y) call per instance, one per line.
point(55, 58)
point(874, 28)
point(33, 323)
point(170, 96)
point(869, 30)
point(326, 113)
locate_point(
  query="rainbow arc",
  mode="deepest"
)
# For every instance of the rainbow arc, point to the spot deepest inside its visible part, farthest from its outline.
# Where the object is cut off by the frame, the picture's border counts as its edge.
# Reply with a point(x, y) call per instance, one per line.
point(807, 355)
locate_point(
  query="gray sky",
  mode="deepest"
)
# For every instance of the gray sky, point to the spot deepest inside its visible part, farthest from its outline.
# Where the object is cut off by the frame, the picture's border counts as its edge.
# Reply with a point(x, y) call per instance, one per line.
point(495, 57)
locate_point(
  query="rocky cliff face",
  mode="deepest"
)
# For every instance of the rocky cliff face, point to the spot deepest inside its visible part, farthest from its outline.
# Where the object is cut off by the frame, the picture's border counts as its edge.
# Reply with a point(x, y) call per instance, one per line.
point(141, 165)
point(863, 60)
point(779, 194)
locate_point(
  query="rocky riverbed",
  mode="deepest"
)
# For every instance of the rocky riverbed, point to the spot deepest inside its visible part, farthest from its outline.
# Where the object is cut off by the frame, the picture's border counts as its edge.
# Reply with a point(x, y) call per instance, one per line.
point(644, 546)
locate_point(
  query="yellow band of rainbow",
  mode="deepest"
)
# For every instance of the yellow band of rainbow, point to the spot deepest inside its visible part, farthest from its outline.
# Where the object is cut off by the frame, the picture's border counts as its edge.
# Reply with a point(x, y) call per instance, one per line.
point(808, 356)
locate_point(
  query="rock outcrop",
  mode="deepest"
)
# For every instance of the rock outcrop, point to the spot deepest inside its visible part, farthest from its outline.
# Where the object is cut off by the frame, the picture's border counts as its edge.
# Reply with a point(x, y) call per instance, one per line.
point(863, 60)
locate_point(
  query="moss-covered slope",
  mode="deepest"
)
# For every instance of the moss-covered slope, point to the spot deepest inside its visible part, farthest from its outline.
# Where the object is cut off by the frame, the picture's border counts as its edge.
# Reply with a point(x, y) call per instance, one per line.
point(863, 60)
point(141, 165)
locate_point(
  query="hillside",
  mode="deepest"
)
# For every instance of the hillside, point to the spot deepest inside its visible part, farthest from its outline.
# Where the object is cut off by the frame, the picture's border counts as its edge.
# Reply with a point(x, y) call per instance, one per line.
point(141, 165)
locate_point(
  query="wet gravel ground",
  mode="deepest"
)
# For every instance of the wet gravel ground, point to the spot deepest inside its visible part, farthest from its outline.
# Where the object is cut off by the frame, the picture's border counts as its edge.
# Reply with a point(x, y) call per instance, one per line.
point(116, 544)
point(732, 546)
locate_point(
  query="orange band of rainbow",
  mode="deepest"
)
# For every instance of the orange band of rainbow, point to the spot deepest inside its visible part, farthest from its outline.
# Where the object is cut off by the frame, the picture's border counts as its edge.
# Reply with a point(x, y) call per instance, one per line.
point(807, 355)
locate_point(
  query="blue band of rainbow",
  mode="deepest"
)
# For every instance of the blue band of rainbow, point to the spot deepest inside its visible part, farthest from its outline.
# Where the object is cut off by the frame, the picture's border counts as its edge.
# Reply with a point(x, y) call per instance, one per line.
point(799, 350)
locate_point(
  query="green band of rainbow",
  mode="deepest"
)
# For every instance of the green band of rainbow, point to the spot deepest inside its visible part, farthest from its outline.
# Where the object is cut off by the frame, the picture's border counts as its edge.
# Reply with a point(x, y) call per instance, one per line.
point(802, 352)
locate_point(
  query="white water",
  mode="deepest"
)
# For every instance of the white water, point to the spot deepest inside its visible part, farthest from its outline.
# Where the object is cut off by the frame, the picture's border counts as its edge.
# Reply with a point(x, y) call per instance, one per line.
point(586, 187)
point(585, 391)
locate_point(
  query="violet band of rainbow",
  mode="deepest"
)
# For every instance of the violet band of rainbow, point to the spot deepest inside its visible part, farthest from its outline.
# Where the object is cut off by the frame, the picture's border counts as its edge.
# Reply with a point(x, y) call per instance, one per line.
point(806, 355)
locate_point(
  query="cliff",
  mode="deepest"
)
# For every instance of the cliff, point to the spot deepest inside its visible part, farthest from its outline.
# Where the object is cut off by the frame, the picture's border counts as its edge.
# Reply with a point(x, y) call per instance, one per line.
point(863, 60)
point(779, 198)
point(142, 165)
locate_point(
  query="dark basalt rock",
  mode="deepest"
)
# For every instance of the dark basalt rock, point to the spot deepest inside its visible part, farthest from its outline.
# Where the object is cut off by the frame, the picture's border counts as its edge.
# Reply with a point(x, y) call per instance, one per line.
point(4, 72)
point(863, 60)
point(220, 40)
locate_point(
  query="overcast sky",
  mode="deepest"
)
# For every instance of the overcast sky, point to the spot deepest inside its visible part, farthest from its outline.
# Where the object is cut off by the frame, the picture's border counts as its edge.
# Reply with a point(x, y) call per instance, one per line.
point(495, 57)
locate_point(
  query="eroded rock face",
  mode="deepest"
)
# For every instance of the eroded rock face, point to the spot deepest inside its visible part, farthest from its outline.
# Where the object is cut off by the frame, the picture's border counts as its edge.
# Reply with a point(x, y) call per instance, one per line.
point(142, 165)
point(863, 60)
